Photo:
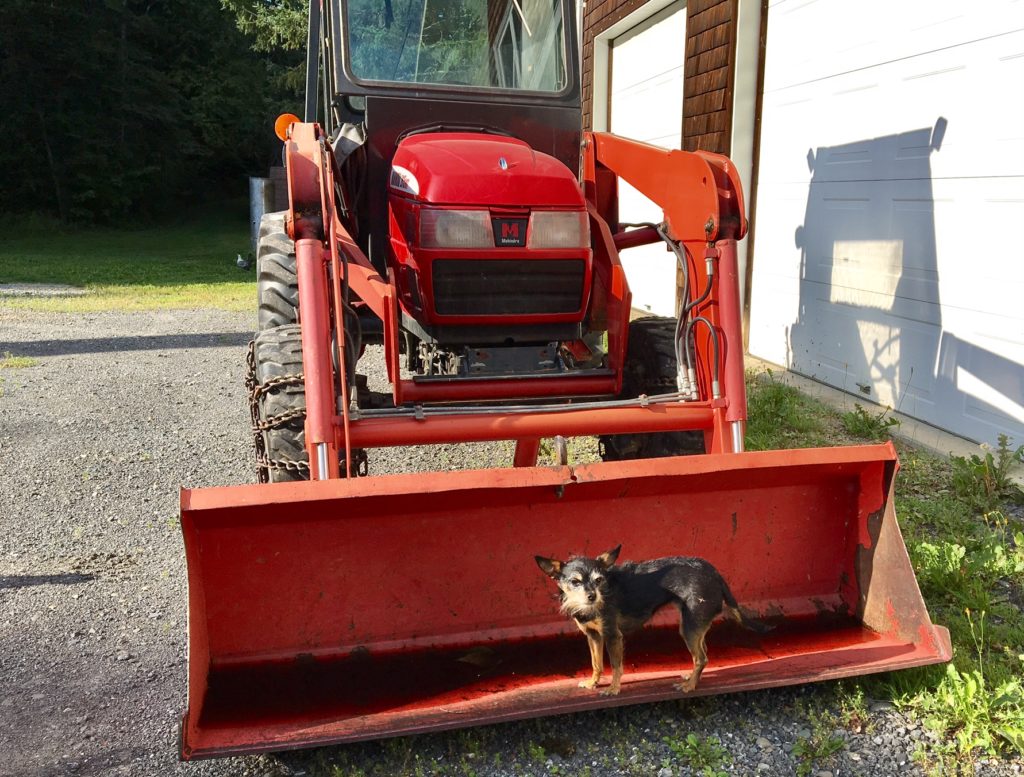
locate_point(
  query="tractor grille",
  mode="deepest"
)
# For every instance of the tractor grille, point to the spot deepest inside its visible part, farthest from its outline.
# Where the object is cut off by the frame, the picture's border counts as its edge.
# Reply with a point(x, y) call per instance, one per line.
point(507, 287)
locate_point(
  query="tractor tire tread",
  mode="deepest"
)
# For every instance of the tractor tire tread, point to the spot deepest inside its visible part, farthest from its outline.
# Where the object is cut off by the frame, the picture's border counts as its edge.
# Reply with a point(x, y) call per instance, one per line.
point(277, 284)
point(650, 369)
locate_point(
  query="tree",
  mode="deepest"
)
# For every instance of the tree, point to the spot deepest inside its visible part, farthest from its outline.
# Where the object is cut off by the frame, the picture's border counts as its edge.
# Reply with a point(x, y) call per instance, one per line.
point(128, 109)
point(273, 25)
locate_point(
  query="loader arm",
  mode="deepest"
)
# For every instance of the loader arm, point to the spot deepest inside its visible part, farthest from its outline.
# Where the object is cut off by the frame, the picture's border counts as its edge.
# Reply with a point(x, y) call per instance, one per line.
point(701, 197)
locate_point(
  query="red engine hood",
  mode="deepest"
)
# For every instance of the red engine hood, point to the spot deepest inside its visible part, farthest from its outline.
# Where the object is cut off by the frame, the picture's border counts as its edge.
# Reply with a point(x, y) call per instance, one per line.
point(470, 169)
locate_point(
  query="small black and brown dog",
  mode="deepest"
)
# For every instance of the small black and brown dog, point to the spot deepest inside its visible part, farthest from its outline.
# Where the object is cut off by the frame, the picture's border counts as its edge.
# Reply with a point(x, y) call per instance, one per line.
point(608, 601)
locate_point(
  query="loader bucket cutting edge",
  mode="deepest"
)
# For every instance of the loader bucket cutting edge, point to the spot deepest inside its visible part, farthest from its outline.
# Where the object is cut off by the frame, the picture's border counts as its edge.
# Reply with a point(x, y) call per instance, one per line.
point(334, 611)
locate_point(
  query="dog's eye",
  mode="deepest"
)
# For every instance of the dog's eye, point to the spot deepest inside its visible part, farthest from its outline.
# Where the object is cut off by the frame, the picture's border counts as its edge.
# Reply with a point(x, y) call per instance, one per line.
point(576, 583)
point(598, 580)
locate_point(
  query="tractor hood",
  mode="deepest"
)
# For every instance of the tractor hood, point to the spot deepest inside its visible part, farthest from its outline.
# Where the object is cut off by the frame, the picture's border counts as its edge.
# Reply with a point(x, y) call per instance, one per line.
point(474, 169)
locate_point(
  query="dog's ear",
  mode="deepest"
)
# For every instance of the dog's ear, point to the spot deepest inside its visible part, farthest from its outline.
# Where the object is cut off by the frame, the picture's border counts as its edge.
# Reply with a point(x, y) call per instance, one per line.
point(608, 558)
point(549, 566)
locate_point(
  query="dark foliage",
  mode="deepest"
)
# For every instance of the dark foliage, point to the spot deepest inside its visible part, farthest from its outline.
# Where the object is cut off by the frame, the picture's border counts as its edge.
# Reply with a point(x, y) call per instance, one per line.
point(128, 109)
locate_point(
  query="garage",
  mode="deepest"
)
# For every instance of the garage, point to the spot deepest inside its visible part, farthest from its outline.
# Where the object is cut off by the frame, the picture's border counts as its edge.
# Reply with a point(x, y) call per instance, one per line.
point(890, 193)
point(645, 102)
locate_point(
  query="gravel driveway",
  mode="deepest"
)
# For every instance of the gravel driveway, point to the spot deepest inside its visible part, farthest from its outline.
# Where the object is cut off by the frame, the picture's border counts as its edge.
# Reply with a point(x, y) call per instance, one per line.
point(95, 439)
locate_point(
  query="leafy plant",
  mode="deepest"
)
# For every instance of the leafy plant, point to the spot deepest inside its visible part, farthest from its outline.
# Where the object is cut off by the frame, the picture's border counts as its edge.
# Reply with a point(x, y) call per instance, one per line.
point(535, 752)
point(707, 755)
point(821, 744)
point(817, 747)
point(984, 481)
point(981, 716)
point(867, 425)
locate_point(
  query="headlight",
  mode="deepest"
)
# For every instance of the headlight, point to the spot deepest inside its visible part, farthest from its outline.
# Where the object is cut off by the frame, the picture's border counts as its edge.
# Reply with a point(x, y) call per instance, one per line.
point(558, 229)
point(456, 229)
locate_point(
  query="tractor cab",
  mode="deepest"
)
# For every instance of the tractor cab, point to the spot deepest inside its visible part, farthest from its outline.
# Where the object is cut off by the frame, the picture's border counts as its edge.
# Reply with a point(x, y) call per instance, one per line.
point(387, 69)
point(458, 126)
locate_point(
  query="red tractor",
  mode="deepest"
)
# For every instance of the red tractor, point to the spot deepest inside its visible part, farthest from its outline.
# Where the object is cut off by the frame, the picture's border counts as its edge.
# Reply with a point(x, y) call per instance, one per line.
point(448, 206)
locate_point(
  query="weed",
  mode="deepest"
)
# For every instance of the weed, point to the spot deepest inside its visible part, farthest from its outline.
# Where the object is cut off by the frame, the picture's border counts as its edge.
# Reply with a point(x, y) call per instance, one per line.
point(706, 755)
point(869, 426)
point(853, 707)
point(984, 481)
point(821, 745)
point(535, 752)
point(11, 362)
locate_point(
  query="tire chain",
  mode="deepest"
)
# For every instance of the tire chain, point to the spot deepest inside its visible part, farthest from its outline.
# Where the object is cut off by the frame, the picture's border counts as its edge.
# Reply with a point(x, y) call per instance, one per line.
point(264, 464)
point(259, 425)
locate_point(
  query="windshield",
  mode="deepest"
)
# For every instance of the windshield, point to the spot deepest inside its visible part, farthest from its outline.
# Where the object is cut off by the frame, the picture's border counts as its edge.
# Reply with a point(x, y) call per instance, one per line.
point(508, 44)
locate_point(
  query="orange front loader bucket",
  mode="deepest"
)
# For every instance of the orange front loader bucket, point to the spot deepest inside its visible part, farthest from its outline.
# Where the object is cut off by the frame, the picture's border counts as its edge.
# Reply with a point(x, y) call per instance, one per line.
point(333, 611)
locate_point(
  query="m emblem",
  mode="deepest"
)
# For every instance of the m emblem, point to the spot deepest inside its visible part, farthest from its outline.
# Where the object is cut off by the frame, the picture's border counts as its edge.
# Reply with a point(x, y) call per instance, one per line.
point(509, 232)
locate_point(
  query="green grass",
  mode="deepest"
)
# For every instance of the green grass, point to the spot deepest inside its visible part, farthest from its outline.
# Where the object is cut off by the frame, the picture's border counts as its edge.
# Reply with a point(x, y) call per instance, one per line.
point(965, 538)
point(782, 417)
point(9, 361)
point(186, 266)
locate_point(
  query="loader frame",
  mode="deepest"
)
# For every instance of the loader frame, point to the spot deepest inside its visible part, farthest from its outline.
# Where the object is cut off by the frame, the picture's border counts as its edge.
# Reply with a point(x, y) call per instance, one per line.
point(706, 216)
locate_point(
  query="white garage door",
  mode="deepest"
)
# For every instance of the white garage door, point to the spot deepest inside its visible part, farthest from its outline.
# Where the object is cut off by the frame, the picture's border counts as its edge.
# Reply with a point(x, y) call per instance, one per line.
point(888, 258)
point(646, 103)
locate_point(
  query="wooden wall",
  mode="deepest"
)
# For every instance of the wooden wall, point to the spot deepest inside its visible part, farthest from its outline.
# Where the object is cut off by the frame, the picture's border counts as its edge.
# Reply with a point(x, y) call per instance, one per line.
point(708, 75)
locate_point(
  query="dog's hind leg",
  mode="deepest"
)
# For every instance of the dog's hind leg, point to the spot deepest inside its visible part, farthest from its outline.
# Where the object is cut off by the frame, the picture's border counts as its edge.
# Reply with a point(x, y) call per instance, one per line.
point(693, 635)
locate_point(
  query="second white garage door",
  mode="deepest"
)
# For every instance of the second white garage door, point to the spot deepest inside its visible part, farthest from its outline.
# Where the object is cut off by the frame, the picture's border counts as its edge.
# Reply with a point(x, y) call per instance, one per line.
point(646, 103)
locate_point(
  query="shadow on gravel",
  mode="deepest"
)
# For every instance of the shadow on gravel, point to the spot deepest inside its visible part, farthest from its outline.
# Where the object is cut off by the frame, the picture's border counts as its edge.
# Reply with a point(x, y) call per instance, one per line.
point(111, 344)
point(24, 581)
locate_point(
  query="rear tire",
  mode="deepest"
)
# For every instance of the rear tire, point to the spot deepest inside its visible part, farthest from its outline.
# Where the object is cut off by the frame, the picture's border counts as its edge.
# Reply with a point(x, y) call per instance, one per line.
point(650, 369)
point(277, 286)
point(278, 354)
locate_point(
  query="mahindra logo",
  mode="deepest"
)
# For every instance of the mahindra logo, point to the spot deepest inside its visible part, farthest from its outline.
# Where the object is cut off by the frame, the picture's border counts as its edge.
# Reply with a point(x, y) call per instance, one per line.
point(509, 232)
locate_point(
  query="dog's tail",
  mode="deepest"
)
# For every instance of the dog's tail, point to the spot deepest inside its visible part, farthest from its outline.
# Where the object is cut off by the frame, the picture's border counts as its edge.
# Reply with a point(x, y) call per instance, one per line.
point(736, 613)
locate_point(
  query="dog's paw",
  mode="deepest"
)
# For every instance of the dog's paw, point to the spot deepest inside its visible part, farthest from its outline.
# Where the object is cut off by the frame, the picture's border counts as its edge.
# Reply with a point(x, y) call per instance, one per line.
point(611, 690)
point(688, 685)
point(588, 684)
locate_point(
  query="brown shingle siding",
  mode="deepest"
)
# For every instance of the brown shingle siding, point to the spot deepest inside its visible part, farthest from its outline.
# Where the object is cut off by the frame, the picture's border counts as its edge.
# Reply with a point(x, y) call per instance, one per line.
point(708, 75)
point(703, 20)
point(707, 40)
point(708, 82)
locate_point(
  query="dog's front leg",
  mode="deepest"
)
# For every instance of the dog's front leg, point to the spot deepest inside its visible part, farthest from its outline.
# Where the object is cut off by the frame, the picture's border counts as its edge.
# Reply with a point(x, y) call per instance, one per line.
point(615, 653)
point(596, 642)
